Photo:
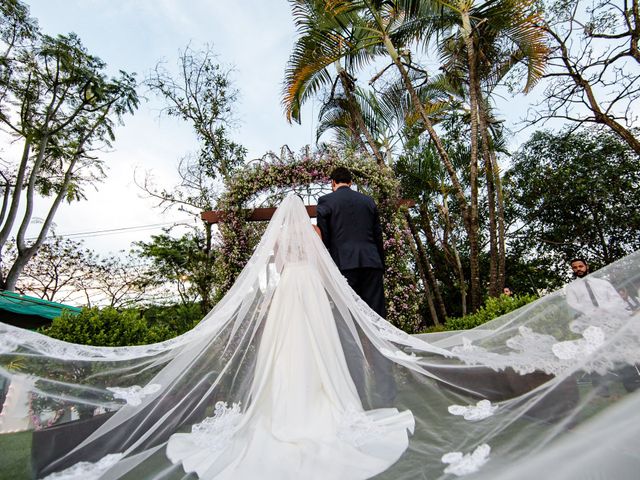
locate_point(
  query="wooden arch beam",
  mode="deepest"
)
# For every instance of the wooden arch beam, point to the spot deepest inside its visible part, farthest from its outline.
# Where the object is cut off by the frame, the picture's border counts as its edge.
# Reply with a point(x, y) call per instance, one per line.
point(264, 214)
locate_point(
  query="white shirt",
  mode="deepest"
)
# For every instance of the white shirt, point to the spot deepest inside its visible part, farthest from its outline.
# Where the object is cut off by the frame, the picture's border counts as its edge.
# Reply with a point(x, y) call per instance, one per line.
point(606, 296)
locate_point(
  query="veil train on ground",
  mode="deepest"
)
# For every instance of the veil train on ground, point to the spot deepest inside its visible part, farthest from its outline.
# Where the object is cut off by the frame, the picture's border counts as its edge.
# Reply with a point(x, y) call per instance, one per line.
point(291, 376)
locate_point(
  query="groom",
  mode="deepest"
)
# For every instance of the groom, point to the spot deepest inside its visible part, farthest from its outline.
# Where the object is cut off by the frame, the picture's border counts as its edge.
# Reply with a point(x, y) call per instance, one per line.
point(350, 229)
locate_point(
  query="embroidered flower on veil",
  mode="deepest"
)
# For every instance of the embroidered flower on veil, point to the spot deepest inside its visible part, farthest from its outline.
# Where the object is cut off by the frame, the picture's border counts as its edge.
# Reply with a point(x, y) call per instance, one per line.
point(464, 464)
point(592, 339)
point(399, 355)
point(134, 395)
point(215, 432)
point(86, 470)
point(356, 427)
point(8, 345)
point(481, 410)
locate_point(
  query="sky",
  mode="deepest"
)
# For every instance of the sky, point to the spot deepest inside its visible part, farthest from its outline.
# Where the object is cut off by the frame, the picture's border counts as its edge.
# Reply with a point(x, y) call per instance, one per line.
point(255, 37)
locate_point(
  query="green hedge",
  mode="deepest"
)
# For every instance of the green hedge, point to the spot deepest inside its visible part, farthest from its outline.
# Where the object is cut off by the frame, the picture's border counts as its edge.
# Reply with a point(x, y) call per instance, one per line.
point(494, 307)
point(109, 327)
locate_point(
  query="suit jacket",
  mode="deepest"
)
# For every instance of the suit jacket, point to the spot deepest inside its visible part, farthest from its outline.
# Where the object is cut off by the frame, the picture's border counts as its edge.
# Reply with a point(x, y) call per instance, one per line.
point(351, 230)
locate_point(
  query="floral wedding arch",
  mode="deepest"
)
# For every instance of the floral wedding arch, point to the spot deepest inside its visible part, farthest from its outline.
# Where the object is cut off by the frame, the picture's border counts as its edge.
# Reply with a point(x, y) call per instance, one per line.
point(273, 176)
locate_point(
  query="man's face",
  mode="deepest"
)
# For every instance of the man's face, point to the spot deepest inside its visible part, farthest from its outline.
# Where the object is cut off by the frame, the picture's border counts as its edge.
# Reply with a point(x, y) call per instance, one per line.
point(506, 291)
point(579, 268)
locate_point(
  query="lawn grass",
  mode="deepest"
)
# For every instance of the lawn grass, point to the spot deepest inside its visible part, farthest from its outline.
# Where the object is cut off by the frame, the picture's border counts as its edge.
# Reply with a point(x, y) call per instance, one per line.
point(15, 456)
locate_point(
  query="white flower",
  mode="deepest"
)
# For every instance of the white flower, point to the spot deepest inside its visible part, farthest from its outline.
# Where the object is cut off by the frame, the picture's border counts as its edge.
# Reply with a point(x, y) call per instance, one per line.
point(460, 464)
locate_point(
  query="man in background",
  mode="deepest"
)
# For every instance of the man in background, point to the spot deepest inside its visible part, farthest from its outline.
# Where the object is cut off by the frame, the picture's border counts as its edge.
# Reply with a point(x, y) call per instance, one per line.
point(591, 295)
point(595, 296)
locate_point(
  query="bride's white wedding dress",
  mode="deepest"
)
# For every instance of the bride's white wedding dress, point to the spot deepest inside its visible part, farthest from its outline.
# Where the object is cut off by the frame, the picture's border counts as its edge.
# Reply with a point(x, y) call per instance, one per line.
point(304, 412)
point(291, 375)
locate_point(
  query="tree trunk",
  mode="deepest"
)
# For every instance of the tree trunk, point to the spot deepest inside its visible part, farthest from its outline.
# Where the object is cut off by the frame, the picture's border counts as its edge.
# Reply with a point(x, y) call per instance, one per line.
point(494, 284)
point(470, 220)
point(26, 253)
point(357, 114)
point(462, 283)
point(6, 195)
point(502, 254)
point(422, 256)
point(15, 197)
point(425, 223)
point(425, 281)
point(474, 248)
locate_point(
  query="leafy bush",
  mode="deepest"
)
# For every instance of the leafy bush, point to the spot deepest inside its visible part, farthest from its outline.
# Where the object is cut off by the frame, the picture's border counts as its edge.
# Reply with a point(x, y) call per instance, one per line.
point(494, 307)
point(177, 318)
point(107, 327)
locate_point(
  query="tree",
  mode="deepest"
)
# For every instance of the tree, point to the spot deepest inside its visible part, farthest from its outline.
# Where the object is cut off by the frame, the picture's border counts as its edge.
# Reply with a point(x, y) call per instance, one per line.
point(360, 31)
point(576, 193)
point(61, 106)
point(183, 263)
point(201, 93)
point(57, 270)
point(594, 74)
point(64, 270)
point(119, 282)
point(440, 223)
point(327, 39)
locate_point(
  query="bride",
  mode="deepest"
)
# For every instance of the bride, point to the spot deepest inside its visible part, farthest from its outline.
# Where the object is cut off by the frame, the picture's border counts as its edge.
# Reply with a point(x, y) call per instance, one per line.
point(265, 388)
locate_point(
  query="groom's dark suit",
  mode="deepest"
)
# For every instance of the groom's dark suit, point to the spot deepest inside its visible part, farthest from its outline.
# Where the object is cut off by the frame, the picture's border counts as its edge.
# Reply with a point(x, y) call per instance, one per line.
point(351, 231)
point(350, 227)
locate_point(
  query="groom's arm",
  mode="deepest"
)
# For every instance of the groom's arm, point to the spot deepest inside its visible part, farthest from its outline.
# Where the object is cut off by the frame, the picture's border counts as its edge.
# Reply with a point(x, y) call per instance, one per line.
point(377, 234)
point(323, 213)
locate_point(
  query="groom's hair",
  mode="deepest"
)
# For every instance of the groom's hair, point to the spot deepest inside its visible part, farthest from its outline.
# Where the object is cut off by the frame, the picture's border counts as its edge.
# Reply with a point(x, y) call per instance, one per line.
point(341, 175)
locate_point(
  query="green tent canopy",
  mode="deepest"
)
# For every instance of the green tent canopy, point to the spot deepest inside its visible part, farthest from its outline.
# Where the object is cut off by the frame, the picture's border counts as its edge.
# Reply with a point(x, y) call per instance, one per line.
point(29, 312)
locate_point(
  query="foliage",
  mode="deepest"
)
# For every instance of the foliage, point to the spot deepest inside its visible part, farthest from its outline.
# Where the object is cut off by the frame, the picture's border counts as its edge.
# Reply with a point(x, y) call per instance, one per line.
point(493, 307)
point(275, 175)
point(183, 263)
point(178, 318)
point(107, 327)
point(576, 194)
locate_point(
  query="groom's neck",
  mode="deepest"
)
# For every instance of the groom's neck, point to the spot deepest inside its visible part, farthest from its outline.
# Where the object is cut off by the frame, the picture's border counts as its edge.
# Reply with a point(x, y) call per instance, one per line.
point(336, 186)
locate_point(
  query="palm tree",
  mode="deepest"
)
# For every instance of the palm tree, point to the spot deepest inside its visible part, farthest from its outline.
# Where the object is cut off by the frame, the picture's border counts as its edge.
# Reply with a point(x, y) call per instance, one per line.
point(357, 31)
point(326, 39)
point(480, 44)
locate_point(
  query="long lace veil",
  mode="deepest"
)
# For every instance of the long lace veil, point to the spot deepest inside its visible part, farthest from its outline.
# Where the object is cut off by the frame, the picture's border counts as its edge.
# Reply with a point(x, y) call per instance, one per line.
point(545, 390)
